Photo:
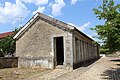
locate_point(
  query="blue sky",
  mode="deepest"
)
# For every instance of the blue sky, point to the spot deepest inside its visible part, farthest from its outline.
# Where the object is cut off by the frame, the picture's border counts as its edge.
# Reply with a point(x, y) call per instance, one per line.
point(79, 13)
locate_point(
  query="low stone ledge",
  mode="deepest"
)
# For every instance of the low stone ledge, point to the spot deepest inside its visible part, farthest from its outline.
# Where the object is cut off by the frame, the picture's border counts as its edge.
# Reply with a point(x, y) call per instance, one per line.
point(8, 62)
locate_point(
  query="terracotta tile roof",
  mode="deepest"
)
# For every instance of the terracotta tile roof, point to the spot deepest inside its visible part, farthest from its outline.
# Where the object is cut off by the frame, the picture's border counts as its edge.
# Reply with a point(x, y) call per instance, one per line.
point(2, 35)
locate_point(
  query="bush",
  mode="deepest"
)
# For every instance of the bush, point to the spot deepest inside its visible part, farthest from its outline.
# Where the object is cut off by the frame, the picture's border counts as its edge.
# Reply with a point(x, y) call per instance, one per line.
point(104, 51)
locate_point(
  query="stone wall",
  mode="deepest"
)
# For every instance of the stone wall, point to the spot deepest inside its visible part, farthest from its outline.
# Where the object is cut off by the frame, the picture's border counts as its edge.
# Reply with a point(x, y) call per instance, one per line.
point(38, 42)
point(8, 62)
point(84, 50)
point(36, 62)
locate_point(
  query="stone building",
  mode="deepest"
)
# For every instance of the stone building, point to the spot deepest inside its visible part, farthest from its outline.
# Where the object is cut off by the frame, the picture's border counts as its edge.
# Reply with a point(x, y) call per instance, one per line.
point(46, 42)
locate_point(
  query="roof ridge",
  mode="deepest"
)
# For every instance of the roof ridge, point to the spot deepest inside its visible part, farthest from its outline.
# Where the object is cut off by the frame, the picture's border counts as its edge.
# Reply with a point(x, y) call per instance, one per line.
point(38, 15)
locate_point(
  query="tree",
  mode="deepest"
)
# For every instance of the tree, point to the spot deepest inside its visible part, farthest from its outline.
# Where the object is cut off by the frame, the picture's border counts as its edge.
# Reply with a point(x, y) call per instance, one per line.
point(7, 45)
point(110, 31)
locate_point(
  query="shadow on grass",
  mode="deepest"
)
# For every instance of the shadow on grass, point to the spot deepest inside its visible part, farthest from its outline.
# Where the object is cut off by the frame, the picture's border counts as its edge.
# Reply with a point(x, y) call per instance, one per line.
point(118, 64)
point(113, 73)
point(116, 60)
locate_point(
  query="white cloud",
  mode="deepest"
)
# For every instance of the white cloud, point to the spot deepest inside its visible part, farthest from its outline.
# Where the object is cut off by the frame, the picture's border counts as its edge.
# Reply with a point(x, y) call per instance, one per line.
point(57, 6)
point(40, 9)
point(73, 2)
point(36, 2)
point(11, 12)
point(81, 28)
point(84, 26)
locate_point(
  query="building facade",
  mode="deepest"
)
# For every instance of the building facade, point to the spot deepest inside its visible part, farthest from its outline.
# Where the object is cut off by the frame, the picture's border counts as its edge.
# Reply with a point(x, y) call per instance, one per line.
point(47, 43)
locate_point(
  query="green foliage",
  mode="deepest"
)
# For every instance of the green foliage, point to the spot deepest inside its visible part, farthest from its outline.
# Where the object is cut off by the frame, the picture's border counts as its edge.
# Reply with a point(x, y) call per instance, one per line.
point(7, 45)
point(110, 31)
point(103, 50)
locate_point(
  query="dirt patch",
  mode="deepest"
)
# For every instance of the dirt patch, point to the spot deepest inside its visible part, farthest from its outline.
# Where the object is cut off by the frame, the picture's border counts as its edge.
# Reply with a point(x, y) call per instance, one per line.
point(20, 73)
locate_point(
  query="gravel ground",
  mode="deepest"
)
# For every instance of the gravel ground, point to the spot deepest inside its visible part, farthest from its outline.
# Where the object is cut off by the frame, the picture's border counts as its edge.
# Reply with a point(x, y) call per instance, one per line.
point(106, 68)
point(103, 69)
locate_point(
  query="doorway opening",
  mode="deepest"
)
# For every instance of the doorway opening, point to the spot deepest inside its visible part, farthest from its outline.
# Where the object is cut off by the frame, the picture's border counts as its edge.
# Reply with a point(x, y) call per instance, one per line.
point(59, 49)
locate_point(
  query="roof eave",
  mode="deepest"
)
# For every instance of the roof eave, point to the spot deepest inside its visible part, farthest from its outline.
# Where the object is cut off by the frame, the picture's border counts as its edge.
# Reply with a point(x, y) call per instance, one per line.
point(57, 22)
point(83, 34)
point(26, 26)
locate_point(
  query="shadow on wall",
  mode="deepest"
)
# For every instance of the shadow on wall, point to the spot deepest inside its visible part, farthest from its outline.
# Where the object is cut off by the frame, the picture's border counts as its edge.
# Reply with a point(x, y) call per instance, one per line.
point(90, 62)
point(85, 63)
point(113, 73)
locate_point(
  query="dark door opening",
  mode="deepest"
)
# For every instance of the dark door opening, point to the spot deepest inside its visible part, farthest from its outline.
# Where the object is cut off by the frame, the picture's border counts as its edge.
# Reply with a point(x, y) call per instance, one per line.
point(59, 50)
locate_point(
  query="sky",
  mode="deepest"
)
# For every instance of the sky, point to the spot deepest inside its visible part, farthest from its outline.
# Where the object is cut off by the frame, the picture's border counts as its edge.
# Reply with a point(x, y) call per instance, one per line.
point(15, 13)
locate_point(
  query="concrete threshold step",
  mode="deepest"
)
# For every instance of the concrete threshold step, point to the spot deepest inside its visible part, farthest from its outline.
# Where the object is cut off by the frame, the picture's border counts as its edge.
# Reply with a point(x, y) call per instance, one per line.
point(59, 67)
